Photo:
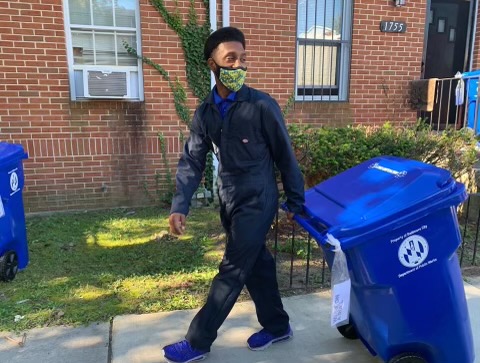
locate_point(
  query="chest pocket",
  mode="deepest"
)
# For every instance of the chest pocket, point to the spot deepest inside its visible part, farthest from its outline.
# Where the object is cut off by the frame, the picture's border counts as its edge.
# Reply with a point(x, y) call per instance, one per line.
point(247, 146)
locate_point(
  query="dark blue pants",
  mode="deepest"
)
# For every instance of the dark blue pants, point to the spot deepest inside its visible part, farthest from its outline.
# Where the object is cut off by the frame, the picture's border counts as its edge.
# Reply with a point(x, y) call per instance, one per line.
point(246, 262)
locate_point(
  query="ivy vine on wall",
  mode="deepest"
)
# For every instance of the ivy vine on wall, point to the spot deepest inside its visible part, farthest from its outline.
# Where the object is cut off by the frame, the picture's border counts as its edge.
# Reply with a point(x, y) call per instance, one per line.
point(192, 37)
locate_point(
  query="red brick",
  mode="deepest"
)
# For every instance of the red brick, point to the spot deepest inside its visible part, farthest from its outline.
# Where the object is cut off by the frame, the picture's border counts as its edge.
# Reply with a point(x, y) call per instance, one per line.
point(79, 145)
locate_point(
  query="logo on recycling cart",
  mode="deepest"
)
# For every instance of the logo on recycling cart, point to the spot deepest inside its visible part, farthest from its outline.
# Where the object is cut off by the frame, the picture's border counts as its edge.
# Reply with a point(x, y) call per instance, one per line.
point(413, 251)
point(14, 182)
point(396, 173)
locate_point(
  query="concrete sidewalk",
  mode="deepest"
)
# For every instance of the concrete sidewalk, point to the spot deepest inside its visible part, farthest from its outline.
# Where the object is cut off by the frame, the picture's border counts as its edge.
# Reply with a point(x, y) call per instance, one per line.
point(139, 338)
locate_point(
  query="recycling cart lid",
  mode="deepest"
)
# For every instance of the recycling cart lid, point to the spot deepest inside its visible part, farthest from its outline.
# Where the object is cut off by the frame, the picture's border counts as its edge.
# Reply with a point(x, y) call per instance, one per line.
point(377, 193)
point(10, 153)
point(471, 74)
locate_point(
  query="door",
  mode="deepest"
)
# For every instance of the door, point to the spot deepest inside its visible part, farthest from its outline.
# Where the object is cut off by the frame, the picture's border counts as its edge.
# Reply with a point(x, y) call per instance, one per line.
point(446, 53)
point(447, 38)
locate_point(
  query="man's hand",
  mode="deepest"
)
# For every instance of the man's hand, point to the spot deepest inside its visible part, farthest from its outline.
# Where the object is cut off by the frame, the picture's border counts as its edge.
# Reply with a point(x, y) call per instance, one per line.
point(177, 223)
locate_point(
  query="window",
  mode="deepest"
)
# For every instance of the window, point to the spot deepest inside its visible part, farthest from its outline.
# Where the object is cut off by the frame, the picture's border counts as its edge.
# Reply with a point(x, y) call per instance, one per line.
point(324, 30)
point(99, 64)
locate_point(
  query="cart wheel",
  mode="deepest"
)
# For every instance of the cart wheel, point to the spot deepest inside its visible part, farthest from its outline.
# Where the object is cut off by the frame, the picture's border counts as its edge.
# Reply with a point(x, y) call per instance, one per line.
point(348, 331)
point(8, 266)
point(407, 358)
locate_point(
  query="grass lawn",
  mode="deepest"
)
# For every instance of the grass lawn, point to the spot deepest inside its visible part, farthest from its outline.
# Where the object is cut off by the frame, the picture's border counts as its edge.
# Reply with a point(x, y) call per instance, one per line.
point(92, 266)
point(89, 267)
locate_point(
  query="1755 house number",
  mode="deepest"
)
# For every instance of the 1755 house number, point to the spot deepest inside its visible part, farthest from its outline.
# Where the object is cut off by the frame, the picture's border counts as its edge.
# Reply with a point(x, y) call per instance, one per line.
point(393, 26)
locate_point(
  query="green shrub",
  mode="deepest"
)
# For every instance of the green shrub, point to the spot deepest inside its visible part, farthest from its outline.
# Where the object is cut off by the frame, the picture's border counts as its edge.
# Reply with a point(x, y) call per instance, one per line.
point(324, 152)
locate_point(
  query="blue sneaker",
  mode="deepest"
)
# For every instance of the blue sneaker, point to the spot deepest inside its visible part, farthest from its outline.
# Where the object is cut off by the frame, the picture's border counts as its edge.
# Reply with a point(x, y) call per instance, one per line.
point(263, 339)
point(183, 352)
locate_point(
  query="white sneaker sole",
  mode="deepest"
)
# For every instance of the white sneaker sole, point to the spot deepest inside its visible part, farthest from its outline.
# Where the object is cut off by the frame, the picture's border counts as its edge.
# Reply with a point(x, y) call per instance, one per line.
point(188, 361)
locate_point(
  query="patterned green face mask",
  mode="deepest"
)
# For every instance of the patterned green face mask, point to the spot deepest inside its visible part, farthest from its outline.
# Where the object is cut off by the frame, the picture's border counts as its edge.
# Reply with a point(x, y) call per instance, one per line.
point(232, 78)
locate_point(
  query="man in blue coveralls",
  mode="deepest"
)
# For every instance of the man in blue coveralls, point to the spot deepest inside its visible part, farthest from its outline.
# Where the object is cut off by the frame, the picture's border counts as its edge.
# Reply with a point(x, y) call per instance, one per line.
point(245, 129)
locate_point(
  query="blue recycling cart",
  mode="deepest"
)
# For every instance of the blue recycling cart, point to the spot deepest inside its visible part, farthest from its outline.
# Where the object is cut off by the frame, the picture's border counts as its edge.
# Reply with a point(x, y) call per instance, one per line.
point(13, 236)
point(473, 111)
point(397, 223)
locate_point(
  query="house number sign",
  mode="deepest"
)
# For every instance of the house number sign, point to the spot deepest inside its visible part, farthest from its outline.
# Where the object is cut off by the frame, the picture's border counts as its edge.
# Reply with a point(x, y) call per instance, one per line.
point(393, 26)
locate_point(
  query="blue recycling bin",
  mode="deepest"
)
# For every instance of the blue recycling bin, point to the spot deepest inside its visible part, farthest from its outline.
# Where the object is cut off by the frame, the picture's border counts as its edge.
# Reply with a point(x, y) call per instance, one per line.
point(397, 223)
point(13, 236)
point(472, 95)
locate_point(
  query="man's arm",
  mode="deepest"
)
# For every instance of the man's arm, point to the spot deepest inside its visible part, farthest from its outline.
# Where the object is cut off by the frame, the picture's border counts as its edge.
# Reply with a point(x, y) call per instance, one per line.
point(190, 168)
point(280, 146)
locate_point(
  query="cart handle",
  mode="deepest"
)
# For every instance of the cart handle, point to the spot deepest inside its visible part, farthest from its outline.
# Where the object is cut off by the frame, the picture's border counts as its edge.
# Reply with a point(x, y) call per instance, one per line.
point(309, 224)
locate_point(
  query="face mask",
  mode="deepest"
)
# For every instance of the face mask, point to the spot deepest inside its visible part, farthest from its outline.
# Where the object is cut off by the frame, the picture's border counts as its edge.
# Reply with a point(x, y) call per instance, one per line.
point(232, 78)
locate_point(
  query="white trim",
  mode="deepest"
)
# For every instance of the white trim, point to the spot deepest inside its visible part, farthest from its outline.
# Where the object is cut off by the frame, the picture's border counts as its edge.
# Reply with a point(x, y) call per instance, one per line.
point(225, 13)
point(213, 25)
point(213, 14)
point(81, 27)
point(115, 44)
point(345, 57)
point(141, 93)
point(347, 28)
point(68, 40)
point(69, 28)
point(91, 67)
point(91, 10)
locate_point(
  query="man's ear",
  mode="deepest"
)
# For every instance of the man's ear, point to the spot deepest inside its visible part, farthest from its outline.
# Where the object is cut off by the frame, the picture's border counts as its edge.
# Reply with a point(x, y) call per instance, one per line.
point(211, 64)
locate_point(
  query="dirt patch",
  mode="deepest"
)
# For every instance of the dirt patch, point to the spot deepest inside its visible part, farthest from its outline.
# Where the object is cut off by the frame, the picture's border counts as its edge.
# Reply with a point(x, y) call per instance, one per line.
point(471, 271)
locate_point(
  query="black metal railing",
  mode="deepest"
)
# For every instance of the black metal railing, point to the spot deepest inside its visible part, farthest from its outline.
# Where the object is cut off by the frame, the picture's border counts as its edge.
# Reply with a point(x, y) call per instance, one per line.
point(469, 218)
point(301, 264)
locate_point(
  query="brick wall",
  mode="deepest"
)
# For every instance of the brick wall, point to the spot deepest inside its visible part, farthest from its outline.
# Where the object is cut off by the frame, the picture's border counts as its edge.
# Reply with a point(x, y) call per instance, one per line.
point(382, 63)
point(270, 43)
point(90, 154)
point(96, 154)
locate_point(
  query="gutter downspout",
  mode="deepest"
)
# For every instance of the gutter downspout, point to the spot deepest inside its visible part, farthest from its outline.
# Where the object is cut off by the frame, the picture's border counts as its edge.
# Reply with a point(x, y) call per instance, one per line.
point(213, 26)
point(225, 13)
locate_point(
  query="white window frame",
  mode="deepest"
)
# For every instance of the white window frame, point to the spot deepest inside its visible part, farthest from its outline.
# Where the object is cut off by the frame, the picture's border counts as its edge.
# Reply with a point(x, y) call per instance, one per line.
point(345, 45)
point(103, 68)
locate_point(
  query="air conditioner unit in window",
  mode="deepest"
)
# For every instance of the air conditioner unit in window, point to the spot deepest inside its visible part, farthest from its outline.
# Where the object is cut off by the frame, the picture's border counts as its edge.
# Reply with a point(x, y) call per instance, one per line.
point(106, 84)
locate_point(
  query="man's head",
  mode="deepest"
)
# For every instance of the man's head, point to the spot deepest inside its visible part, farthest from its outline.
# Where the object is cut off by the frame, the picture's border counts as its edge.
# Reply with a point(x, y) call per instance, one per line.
point(222, 35)
point(226, 57)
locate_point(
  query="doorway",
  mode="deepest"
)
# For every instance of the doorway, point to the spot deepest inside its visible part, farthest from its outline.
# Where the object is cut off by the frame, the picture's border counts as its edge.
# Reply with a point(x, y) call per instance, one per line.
point(447, 51)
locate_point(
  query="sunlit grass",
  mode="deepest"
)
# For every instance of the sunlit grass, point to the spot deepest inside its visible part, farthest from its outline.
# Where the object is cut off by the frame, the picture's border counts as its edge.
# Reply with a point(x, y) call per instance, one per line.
point(90, 293)
point(92, 266)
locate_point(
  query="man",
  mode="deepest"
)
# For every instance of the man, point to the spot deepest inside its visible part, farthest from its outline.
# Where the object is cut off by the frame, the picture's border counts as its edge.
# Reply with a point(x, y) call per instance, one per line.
point(245, 129)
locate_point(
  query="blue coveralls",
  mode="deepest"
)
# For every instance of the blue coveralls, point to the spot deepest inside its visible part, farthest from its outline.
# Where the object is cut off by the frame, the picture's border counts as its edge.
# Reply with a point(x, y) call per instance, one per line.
point(247, 142)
